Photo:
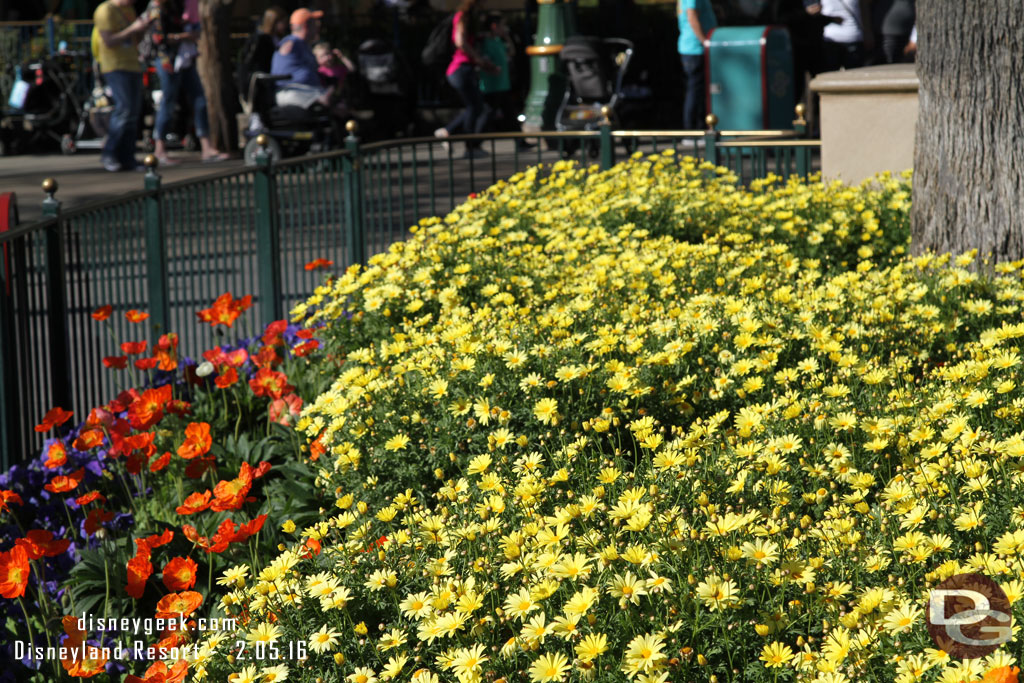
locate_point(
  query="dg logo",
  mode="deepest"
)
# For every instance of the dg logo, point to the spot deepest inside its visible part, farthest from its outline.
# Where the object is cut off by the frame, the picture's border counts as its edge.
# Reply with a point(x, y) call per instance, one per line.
point(969, 616)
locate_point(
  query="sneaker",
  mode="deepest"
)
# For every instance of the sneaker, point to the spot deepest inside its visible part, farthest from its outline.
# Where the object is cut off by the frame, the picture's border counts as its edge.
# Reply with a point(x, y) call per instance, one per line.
point(474, 153)
point(443, 133)
point(111, 165)
point(134, 166)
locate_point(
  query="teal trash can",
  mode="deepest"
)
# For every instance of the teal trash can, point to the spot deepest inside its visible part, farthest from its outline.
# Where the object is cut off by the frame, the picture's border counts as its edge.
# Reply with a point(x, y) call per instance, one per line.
point(750, 77)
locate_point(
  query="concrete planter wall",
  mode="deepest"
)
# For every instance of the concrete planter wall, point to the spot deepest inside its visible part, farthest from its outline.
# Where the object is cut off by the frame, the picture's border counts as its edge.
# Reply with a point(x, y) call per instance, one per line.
point(868, 117)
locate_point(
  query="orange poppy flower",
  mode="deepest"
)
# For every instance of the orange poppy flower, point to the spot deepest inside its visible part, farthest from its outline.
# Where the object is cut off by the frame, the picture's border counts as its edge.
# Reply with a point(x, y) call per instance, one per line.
point(160, 462)
point(53, 418)
point(139, 571)
point(225, 535)
point(1001, 674)
point(95, 518)
point(180, 573)
point(14, 572)
point(102, 313)
point(157, 540)
point(56, 455)
point(197, 440)
point(196, 502)
point(267, 357)
point(146, 363)
point(64, 483)
point(148, 409)
point(225, 310)
point(8, 498)
point(174, 604)
point(159, 673)
point(306, 348)
point(282, 410)
point(90, 438)
point(267, 382)
point(135, 316)
point(94, 663)
point(134, 348)
point(166, 352)
point(230, 495)
point(249, 529)
point(90, 497)
point(226, 379)
point(261, 469)
point(41, 543)
point(317, 448)
point(272, 333)
point(319, 263)
point(310, 548)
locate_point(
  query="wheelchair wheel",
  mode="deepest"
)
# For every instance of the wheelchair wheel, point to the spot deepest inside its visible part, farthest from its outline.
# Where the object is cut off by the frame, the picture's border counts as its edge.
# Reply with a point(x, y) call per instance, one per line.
point(251, 147)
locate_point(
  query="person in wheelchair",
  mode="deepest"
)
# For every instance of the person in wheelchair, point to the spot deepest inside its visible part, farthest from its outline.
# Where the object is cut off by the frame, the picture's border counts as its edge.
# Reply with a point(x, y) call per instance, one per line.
point(294, 58)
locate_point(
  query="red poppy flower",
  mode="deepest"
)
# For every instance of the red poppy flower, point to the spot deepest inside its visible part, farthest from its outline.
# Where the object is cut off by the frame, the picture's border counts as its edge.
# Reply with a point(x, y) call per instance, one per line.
point(196, 502)
point(249, 529)
point(160, 462)
point(305, 333)
point(225, 310)
point(87, 440)
point(95, 518)
point(226, 379)
point(306, 348)
point(13, 572)
point(174, 605)
point(148, 409)
point(319, 263)
point(135, 316)
point(63, 484)
point(196, 468)
point(261, 469)
point(134, 348)
point(102, 313)
point(56, 455)
point(230, 495)
point(8, 498)
point(157, 540)
point(178, 407)
point(180, 574)
point(134, 462)
point(281, 409)
point(270, 383)
point(197, 440)
point(53, 418)
point(91, 497)
point(267, 357)
point(166, 352)
point(41, 543)
point(116, 362)
point(272, 333)
point(146, 363)
point(141, 442)
point(310, 548)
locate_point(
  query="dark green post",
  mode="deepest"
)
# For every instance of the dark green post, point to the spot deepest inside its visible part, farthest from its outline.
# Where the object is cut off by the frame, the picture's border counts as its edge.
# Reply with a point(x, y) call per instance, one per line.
point(267, 238)
point(803, 154)
point(156, 251)
point(711, 140)
point(556, 21)
point(353, 179)
point(10, 427)
point(607, 145)
point(57, 302)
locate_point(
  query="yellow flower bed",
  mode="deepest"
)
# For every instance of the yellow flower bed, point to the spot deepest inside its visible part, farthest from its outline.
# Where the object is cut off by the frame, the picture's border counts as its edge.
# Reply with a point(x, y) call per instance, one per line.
point(646, 425)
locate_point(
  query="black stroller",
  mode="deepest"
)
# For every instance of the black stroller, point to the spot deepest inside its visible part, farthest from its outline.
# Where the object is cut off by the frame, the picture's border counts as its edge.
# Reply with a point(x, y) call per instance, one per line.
point(380, 94)
point(50, 103)
point(595, 67)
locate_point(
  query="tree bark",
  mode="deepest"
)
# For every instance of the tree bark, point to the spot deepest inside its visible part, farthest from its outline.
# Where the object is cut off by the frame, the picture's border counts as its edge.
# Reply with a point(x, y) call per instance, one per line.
point(969, 153)
point(215, 66)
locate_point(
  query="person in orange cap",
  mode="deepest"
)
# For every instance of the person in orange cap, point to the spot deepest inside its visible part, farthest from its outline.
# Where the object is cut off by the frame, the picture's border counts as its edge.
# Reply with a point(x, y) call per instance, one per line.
point(294, 58)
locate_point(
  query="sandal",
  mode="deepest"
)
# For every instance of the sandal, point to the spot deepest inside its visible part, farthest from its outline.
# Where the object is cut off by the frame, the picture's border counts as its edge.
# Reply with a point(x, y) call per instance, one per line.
point(167, 161)
point(214, 158)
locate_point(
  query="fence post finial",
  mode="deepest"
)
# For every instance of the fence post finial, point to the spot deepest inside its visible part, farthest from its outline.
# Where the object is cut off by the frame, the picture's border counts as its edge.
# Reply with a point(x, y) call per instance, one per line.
point(51, 206)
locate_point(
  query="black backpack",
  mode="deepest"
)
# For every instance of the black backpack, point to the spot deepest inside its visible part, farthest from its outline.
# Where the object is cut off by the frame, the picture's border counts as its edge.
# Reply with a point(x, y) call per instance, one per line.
point(439, 48)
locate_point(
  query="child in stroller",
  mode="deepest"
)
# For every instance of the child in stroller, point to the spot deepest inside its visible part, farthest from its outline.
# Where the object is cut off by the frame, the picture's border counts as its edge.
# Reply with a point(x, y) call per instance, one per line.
point(596, 67)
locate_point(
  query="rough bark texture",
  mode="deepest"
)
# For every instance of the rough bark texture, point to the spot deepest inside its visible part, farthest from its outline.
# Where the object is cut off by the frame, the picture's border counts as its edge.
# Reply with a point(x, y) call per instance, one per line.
point(969, 155)
point(215, 71)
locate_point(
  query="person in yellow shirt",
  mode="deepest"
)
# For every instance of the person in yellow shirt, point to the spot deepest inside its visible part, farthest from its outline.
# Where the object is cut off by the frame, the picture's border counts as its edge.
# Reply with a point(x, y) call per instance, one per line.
point(119, 33)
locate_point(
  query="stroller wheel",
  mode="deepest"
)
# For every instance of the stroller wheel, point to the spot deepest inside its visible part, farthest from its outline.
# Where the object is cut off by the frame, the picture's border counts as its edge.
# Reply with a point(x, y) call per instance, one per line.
point(251, 147)
point(67, 145)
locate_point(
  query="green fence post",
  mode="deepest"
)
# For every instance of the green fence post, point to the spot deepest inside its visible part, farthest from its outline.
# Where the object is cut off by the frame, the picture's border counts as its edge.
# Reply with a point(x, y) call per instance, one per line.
point(10, 426)
point(268, 252)
point(803, 154)
point(352, 168)
point(711, 137)
point(156, 251)
point(607, 146)
point(57, 302)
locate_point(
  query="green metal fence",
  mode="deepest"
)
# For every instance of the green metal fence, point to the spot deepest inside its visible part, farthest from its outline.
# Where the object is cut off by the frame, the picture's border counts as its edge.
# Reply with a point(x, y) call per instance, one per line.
point(170, 250)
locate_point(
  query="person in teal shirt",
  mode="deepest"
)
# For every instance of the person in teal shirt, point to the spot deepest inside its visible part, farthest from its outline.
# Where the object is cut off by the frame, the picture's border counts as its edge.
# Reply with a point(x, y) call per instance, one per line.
point(496, 86)
point(696, 19)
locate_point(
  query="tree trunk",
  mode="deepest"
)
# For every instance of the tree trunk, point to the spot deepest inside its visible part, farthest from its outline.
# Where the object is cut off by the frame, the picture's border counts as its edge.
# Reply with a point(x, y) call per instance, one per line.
point(969, 154)
point(215, 66)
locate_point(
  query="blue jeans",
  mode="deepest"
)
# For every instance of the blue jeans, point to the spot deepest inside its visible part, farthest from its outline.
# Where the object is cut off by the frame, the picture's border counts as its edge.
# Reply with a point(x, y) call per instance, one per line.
point(474, 117)
point(837, 56)
point(170, 85)
point(693, 103)
point(126, 88)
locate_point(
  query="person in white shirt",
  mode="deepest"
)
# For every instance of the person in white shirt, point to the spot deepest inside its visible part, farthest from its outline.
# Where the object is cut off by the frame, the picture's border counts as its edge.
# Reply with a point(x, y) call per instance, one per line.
point(846, 42)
